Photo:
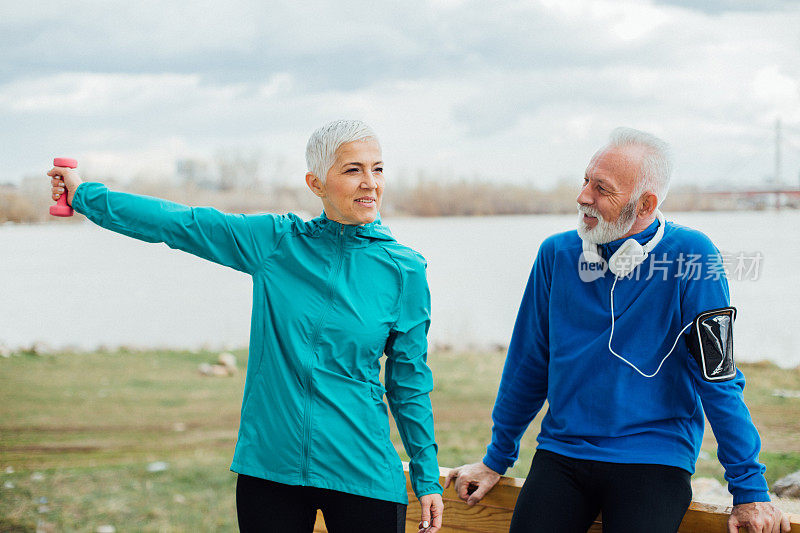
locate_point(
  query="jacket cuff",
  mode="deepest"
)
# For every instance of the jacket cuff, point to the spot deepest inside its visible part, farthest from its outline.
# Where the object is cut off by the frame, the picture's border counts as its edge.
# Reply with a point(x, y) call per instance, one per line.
point(78, 203)
point(433, 488)
point(76, 199)
point(750, 497)
point(494, 464)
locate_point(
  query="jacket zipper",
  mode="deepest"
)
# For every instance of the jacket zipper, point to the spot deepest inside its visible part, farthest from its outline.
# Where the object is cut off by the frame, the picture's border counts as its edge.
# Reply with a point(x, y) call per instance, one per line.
point(313, 359)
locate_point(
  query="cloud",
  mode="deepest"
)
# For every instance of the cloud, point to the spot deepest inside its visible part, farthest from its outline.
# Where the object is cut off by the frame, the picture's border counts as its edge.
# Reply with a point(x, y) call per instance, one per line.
point(723, 6)
point(520, 91)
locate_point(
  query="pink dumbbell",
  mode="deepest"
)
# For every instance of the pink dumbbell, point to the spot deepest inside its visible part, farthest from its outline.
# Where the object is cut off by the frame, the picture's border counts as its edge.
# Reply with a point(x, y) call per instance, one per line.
point(61, 209)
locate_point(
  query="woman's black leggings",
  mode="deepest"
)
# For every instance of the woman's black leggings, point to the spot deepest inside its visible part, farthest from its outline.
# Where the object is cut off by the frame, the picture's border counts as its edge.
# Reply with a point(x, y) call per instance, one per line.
point(564, 495)
point(266, 506)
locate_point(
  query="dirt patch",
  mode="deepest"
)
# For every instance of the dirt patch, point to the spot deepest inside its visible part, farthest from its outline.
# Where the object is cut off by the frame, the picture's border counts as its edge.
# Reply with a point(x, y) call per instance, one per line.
point(45, 448)
point(92, 429)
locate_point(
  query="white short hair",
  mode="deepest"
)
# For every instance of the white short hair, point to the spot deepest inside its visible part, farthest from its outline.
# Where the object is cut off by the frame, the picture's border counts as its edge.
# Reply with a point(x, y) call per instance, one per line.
point(656, 166)
point(323, 143)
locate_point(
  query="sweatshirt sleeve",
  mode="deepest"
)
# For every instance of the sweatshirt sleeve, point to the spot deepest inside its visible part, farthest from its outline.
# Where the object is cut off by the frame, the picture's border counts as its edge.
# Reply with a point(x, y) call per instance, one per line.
point(409, 380)
point(738, 443)
point(236, 241)
point(523, 385)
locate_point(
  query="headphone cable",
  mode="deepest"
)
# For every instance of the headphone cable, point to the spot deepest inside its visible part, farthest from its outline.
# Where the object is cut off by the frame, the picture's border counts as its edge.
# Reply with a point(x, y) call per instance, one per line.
point(687, 326)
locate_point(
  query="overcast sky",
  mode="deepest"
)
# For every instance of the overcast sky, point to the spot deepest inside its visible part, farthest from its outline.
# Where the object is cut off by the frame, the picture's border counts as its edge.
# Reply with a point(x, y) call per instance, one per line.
point(508, 91)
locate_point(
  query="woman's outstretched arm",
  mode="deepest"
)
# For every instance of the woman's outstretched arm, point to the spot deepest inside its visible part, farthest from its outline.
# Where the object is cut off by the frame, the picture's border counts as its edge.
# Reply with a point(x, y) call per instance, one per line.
point(237, 241)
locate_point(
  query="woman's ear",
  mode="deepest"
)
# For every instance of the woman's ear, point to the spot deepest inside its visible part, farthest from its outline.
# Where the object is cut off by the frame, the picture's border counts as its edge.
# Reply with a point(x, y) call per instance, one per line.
point(315, 184)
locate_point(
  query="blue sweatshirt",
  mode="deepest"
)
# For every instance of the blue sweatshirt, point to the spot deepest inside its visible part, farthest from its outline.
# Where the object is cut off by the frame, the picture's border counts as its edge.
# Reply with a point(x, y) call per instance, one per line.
point(599, 407)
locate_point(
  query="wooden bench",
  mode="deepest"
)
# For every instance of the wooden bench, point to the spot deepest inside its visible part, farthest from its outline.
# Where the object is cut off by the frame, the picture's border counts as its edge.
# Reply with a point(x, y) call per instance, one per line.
point(493, 513)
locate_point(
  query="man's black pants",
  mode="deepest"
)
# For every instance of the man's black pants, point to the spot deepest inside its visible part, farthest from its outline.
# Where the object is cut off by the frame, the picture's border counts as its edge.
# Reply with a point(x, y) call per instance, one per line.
point(564, 495)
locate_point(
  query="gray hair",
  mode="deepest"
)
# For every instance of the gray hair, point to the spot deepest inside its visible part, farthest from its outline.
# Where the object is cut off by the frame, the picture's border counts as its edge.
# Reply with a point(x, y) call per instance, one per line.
point(323, 143)
point(656, 166)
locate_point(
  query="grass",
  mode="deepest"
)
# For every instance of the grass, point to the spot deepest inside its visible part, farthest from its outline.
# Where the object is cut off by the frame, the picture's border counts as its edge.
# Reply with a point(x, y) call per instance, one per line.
point(79, 430)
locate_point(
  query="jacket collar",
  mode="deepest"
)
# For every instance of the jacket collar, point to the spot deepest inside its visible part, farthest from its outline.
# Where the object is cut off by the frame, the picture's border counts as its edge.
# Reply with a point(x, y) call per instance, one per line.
point(373, 230)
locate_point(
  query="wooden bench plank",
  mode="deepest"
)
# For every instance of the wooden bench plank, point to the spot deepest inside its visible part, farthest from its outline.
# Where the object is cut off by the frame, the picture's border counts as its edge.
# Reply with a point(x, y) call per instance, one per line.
point(493, 513)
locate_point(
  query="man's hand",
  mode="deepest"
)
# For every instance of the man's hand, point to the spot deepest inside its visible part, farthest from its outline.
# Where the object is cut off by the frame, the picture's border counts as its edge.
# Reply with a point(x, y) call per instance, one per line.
point(432, 509)
point(472, 481)
point(758, 517)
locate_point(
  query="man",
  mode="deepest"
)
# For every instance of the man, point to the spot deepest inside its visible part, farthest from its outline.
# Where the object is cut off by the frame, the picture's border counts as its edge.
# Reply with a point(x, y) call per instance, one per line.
point(625, 329)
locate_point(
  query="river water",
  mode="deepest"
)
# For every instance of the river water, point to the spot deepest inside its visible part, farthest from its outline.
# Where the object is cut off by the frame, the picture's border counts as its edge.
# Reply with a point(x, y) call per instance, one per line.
point(79, 286)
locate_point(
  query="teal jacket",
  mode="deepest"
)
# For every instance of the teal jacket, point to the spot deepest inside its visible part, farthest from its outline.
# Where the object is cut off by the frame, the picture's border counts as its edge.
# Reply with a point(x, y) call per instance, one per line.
point(329, 300)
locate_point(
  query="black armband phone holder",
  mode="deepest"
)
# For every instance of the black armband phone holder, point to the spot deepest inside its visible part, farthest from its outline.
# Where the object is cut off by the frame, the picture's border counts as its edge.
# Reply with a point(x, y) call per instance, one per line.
point(711, 343)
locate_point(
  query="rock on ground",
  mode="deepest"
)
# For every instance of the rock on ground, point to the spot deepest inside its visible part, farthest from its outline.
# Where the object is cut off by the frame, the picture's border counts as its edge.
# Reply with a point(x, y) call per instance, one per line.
point(709, 490)
point(225, 366)
point(788, 486)
point(227, 359)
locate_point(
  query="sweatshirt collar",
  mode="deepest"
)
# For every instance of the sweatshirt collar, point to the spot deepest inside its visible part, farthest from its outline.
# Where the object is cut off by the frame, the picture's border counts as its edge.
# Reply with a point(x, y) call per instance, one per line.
point(642, 237)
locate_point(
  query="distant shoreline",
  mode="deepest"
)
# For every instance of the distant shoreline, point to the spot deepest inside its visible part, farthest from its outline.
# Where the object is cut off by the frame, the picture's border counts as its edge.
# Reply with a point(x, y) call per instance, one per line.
point(29, 203)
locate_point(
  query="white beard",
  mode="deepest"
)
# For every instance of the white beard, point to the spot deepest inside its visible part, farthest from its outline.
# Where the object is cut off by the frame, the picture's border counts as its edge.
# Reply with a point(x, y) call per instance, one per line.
point(605, 231)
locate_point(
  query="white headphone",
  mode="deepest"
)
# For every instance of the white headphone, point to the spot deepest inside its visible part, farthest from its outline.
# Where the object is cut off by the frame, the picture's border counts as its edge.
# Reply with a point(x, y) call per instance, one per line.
point(630, 255)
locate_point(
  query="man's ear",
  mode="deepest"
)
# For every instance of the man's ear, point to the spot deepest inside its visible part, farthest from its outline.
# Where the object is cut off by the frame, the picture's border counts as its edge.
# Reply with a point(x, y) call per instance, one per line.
point(648, 206)
point(315, 184)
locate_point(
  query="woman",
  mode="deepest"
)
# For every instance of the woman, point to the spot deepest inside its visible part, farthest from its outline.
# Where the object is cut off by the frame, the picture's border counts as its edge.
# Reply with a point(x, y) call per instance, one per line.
point(330, 297)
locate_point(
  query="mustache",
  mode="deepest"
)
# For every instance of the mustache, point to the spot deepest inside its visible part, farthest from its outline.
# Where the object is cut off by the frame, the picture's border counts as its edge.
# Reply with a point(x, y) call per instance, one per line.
point(591, 211)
